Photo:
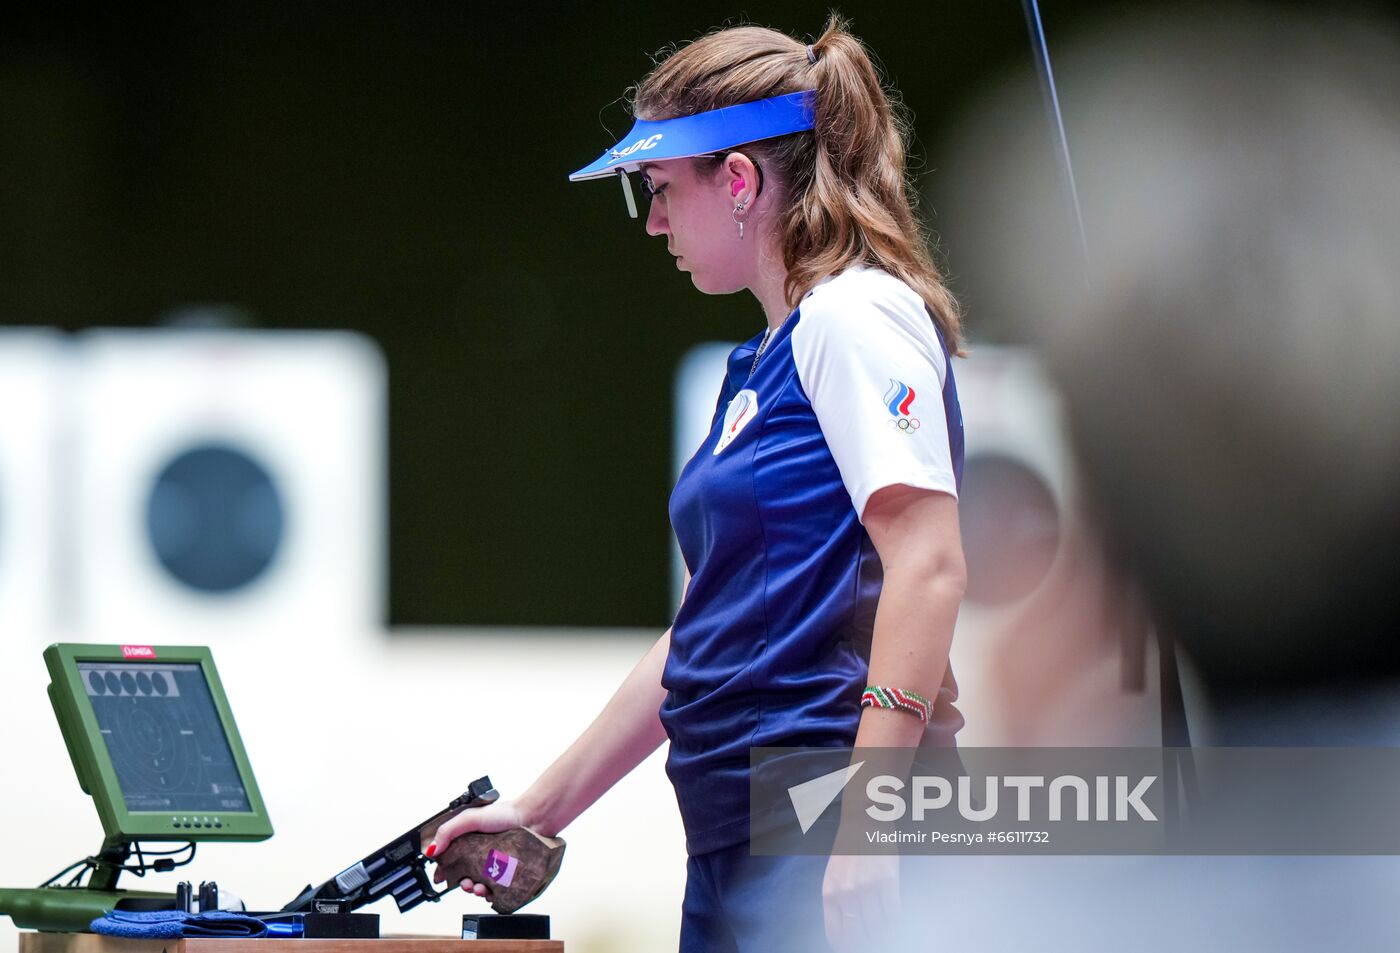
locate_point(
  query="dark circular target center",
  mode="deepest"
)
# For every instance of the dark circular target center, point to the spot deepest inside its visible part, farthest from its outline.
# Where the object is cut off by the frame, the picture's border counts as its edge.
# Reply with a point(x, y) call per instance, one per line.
point(1010, 527)
point(215, 518)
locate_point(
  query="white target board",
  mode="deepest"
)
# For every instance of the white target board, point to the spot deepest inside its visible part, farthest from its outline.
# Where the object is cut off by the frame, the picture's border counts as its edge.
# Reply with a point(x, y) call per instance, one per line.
point(229, 483)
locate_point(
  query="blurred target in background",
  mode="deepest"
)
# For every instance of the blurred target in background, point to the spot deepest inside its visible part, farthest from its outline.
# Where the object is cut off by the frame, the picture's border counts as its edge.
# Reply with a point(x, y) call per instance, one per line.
point(1017, 499)
point(216, 518)
point(1035, 588)
point(32, 363)
point(1045, 616)
point(229, 481)
point(699, 379)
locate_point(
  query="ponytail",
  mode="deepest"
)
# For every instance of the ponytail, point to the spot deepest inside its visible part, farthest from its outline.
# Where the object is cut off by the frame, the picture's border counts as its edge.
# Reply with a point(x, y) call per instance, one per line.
point(858, 205)
point(850, 201)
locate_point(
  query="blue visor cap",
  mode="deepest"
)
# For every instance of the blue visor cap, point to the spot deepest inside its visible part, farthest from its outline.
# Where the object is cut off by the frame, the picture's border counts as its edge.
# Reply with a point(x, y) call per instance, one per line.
point(704, 133)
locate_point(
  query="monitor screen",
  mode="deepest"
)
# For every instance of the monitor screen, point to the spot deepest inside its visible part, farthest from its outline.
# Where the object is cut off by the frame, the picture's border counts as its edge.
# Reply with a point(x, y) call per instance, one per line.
point(164, 736)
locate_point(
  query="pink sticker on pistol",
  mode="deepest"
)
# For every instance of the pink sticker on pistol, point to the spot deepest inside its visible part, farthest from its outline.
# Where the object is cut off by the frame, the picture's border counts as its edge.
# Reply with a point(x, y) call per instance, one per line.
point(500, 868)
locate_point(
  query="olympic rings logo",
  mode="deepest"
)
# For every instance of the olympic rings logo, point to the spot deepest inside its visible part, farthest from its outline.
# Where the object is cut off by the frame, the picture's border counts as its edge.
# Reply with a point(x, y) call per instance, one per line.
point(898, 400)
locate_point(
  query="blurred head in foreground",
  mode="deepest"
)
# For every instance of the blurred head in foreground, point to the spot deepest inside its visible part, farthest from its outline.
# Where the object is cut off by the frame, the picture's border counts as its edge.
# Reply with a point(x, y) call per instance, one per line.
point(1232, 362)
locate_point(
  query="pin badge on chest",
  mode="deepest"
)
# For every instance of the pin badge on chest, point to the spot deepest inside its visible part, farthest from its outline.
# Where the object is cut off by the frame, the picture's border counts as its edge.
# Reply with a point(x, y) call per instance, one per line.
point(742, 409)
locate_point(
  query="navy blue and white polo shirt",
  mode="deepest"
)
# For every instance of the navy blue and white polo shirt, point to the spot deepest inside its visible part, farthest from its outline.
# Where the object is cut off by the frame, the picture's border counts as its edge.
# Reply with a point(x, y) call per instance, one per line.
point(771, 646)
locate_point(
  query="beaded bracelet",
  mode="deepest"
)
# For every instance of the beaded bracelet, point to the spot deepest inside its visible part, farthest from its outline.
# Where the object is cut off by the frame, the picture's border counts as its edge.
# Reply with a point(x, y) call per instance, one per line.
point(881, 696)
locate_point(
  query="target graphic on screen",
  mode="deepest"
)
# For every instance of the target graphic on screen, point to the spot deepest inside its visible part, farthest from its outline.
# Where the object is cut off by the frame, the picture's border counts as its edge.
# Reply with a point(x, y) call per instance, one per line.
point(164, 737)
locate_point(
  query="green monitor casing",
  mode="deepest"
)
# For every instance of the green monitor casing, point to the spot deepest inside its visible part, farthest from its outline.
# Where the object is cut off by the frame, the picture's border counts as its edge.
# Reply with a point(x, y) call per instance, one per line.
point(153, 741)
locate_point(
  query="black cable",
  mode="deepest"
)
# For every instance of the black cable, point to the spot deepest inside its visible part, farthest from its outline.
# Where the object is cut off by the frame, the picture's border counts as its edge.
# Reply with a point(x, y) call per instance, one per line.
point(162, 865)
point(84, 863)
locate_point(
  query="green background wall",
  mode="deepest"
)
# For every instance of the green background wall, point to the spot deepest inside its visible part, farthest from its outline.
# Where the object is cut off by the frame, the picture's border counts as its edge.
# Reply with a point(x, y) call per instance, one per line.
point(399, 169)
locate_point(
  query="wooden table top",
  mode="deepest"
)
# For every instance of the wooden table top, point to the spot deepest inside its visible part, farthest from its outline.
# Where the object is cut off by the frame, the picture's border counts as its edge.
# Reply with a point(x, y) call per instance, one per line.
point(30, 942)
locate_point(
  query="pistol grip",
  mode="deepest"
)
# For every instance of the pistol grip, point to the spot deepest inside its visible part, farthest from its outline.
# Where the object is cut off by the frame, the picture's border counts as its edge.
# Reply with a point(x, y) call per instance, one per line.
point(515, 865)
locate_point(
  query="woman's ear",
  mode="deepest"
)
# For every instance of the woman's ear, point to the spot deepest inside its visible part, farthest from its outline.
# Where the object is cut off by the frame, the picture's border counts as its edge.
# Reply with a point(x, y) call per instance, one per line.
point(743, 178)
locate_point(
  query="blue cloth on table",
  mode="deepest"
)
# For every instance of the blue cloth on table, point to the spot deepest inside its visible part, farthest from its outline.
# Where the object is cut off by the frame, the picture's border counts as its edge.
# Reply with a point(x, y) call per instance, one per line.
point(175, 924)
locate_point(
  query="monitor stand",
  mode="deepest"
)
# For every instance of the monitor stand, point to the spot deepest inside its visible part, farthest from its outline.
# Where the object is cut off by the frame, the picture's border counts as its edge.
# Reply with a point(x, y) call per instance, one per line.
point(71, 909)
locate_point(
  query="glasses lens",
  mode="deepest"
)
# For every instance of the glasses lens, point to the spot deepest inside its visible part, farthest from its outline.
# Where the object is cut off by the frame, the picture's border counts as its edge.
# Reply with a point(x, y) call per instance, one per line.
point(627, 192)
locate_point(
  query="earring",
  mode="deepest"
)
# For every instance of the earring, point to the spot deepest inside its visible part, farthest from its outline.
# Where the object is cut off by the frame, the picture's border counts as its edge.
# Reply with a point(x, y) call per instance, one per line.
point(737, 220)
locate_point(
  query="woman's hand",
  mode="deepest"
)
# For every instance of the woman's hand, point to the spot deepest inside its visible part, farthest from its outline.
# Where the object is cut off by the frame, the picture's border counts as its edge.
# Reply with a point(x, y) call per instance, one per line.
point(499, 816)
point(860, 899)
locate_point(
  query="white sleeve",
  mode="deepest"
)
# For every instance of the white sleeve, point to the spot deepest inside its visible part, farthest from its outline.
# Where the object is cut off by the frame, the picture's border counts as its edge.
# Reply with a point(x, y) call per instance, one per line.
point(869, 359)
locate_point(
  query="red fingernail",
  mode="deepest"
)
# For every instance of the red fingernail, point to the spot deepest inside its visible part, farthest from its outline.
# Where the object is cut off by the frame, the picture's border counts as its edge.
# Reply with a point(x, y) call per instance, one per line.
point(432, 849)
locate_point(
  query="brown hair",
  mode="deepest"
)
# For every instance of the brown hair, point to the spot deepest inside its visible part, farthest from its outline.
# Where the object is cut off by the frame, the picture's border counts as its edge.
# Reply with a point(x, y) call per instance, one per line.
point(851, 200)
